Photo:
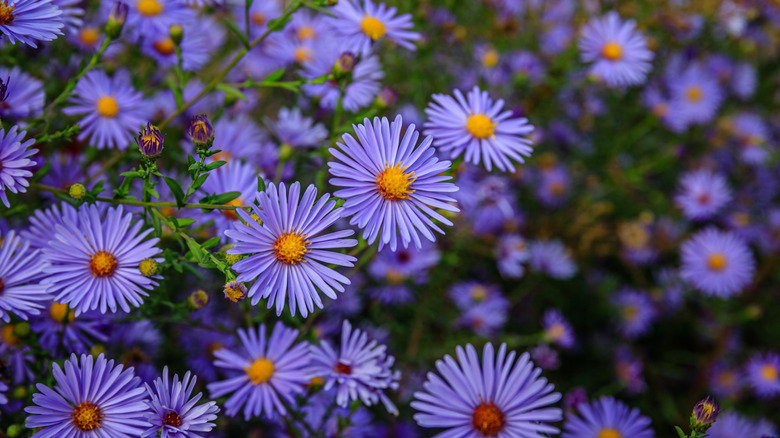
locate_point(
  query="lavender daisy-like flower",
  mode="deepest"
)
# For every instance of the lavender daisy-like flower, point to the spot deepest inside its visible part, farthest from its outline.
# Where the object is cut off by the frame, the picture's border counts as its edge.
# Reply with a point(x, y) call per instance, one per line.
point(60, 328)
point(551, 258)
point(20, 291)
point(360, 370)
point(288, 255)
point(696, 95)
point(14, 162)
point(637, 312)
point(716, 262)
point(113, 110)
point(763, 374)
point(702, 193)
point(269, 369)
point(511, 253)
point(497, 397)
point(476, 126)
point(617, 50)
point(23, 96)
point(43, 224)
point(95, 263)
point(92, 398)
point(30, 21)
point(150, 18)
point(174, 411)
point(294, 129)
point(392, 185)
point(360, 25)
point(557, 329)
point(607, 418)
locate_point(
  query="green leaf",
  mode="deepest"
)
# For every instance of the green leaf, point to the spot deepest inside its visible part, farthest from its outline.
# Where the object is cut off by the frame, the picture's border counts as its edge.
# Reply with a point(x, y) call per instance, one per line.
point(184, 222)
point(41, 172)
point(238, 94)
point(260, 184)
point(198, 182)
point(178, 193)
point(195, 249)
point(237, 32)
point(680, 432)
point(193, 270)
point(223, 198)
point(153, 192)
point(214, 241)
point(215, 165)
point(273, 77)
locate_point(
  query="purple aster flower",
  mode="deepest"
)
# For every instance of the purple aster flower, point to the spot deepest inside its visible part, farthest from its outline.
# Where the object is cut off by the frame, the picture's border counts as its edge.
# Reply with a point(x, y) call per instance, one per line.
point(405, 263)
point(528, 65)
point(174, 412)
point(636, 311)
point(235, 176)
point(113, 110)
point(744, 80)
point(29, 21)
point(269, 369)
point(60, 328)
point(361, 25)
point(607, 417)
point(137, 344)
point(751, 136)
point(511, 253)
point(43, 224)
point(201, 38)
point(485, 318)
point(24, 96)
point(20, 291)
point(763, 374)
point(470, 293)
point(617, 50)
point(545, 357)
point(557, 329)
point(695, 95)
point(477, 126)
point(14, 162)
point(17, 356)
point(554, 186)
point(91, 399)
point(360, 370)
point(702, 193)
point(260, 14)
point(733, 424)
point(393, 185)
point(294, 129)
point(289, 256)
point(94, 263)
point(552, 258)
point(628, 369)
point(497, 397)
point(150, 18)
point(716, 262)
point(238, 137)
point(71, 14)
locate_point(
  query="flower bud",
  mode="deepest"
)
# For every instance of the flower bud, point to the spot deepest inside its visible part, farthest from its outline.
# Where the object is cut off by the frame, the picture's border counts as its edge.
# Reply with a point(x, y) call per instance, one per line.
point(235, 291)
point(22, 329)
point(14, 430)
point(150, 142)
point(201, 132)
point(77, 191)
point(704, 414)
point(176, 32)
point(148, 267)
point(345, 64)
point(198, 299)
point(116, 20)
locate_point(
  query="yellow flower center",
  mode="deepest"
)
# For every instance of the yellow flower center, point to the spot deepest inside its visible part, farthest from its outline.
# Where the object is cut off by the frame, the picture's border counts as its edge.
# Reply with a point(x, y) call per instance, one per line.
point(58, 312)
point(306, 32)
point(487, 419)
point(8, 335)
point(612, 51)
point(6, 13)
point(259, 18)
point(102, 264)
point(148, 267)
point(556, 331)
point(87, 416)
point(88, 36)
point(609, 433)
point(394, 277)
point(107, 107)
point(235, 292)
point(149, 8)
point(769, 372)
point(393, 183)
point(478, 292)
point(660, 109)
point(164, 46)
point(480, 126)
point(490, 58)
point(716, 261)
point(303, 54)
point(694, 93)
point(630, 312)
point(372, 27)
point(260, 371)
point(290, 248)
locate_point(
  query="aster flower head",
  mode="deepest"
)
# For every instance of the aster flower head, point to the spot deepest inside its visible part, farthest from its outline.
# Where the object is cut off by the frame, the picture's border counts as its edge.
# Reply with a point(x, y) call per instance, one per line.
point(763, 374)
point(266, 371)
point(392, 184)
point(20, 291)
point(288, 255)
point(696, 95)
point(60, 328)
point(636, 312)
point(359, 370)
point(607, 418)
point(201, 132)
point(704, 414)
point(717, 263)
point(15, 163)
point(476, 126)
point(552, 258)
point(150, 142)
point(93, 263)
point(30, 21)
point(617, 50)
point(292, 128)
point(557, 329)
point(702, 193)
point(496, 396)
point(149, 18)
point(23, 94)
point(174, 411)
point(92, 398)
point(113, 110)
point(511, 253)
point(360, 25)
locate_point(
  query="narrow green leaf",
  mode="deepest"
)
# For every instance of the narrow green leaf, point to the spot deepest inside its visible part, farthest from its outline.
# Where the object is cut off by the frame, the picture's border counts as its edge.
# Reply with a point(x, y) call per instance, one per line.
point(214, 241)
point(260, 184)
point(238, 94)
point(199, 182)
point(215, 165)
point(223, 198)
point(41, 172)
point(178, 193)
point(273, 77)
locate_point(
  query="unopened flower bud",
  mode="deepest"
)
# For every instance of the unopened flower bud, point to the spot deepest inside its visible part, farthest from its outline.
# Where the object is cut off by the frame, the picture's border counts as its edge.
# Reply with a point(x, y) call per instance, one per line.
point(345, 64)
point(14, 430)
point(20, 392)
point(201, 132)
point(77, 191)
point(176, 32)
point(116, 20)
point(235, 291)
point(22, 329)
point(704, 414)
point(97, 350)
point(150, 142)
point(148, 267)
point(198, 299)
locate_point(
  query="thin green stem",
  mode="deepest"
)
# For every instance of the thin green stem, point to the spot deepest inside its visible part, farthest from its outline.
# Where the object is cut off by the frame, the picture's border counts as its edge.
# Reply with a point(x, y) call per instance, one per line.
point(221, 265)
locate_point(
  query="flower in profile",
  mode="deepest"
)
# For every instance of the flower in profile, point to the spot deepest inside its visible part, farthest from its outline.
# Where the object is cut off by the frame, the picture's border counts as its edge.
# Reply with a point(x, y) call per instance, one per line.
point(116, 19)
point(702, 193)
point(288, 255)
point(174, 413)
point(268, 369)
point(14, 162)
point(551, 258)
point(360, 370)
point(30, 21)
point(392, 185)
point(60, 328)
point(361, 25)
point(92, 398)
point(150, 142)
point(763, 374)
point(113, 109)
point(475, 126)
point(617, 50)
point(292, 128)
point(607, 418)
point(717, 262)
point(20, 291)
point(200, 131)
point(497, 397)
point(511, 253)
point(557, 329)
point(704, 414)
point(93, 263)
point(24, 95)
